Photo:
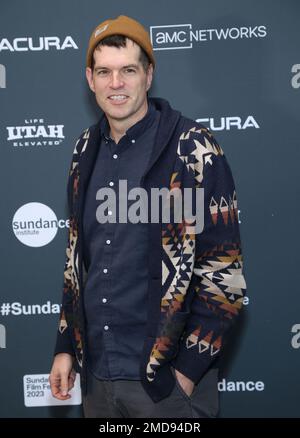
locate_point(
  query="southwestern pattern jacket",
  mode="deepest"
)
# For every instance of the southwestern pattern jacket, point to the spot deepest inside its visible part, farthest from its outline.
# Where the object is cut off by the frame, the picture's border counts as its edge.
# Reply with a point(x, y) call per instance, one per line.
point(196, 284)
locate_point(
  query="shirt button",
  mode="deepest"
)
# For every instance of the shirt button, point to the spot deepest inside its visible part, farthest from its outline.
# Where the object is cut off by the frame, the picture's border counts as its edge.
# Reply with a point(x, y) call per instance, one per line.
point(104, 300)
point(106, 327)
point(109, 212)
point(105, 270)
point(108, 242)
point(111, 183)
point(115, 156)
point(133, 140)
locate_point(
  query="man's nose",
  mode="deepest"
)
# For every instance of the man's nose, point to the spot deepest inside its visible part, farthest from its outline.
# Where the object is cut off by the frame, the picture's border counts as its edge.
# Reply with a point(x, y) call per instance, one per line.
point(116, 80)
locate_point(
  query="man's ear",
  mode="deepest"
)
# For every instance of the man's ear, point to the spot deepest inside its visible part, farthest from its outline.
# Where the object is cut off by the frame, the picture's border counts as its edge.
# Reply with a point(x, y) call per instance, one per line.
point(149, 76)
point(89, 78)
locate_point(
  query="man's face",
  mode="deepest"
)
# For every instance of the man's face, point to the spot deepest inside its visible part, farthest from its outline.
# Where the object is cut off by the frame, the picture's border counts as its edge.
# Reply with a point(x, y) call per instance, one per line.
point(120, 82)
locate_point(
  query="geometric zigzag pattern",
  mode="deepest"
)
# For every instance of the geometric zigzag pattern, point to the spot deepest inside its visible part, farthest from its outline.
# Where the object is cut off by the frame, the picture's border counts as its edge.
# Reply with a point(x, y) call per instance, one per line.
point(220, 280)
point(221, 283)
point(224, 209)
point(221, 290)
point(177, 269)
point(204, 344)
point(201, 155)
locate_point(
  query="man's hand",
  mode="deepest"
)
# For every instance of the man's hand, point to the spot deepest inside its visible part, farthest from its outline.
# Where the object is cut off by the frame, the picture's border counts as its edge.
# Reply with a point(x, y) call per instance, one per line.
point(62, 376)
point(186, 384)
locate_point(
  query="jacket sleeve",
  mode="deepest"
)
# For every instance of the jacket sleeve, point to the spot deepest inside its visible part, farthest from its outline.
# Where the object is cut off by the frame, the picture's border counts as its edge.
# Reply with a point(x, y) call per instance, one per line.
point(64, 342)
point(217, 285)
point(63, 338)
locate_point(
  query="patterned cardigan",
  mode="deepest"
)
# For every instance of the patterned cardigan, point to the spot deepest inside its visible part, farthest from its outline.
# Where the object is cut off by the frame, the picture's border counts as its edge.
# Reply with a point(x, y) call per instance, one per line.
point(196, 284)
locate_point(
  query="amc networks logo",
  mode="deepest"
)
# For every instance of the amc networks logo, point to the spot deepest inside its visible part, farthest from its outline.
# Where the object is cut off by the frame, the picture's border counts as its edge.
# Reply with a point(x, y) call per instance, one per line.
point(171, 36)
point(182, 36)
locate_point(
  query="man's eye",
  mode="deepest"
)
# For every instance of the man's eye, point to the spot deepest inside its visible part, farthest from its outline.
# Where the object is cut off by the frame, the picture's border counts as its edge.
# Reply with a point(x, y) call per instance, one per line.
point(102, 72)
point(129, 70)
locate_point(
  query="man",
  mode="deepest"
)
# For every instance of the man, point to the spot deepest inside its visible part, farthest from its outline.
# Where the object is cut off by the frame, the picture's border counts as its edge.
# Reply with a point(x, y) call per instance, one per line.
point(146, 303)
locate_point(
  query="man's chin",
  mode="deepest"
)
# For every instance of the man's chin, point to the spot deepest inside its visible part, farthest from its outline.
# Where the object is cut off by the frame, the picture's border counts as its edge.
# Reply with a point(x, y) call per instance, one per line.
point(118, 115)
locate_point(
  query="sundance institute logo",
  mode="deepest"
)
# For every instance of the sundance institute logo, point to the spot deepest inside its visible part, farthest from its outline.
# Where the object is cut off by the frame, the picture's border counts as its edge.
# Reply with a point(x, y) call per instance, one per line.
point(35, 224)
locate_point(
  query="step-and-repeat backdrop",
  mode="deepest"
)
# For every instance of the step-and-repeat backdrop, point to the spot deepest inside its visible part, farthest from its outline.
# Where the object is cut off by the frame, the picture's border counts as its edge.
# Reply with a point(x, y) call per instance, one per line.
point(233, 65)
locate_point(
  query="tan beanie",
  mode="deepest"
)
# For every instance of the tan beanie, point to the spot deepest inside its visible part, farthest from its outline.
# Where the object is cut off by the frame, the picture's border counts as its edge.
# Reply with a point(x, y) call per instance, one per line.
point(120, 26)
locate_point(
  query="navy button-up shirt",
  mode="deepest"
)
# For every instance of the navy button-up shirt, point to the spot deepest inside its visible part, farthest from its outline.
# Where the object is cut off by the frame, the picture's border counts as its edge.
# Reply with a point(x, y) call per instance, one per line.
point(116, 254)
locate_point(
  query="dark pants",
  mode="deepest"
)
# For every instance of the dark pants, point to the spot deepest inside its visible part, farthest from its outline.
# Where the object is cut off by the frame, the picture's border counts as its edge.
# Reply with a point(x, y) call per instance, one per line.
point(128, 399)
